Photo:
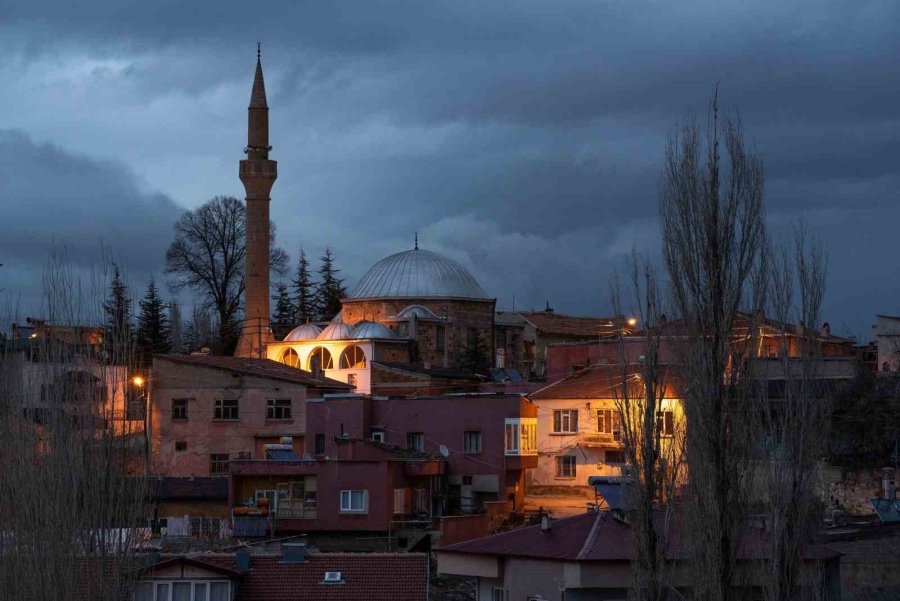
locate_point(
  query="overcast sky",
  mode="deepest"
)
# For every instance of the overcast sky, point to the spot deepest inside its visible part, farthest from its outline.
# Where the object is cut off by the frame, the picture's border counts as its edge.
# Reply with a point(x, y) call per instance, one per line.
point(522, 138)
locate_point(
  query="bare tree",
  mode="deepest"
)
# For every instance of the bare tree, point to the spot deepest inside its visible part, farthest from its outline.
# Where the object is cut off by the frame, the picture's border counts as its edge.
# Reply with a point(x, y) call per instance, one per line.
point(652, 426)
point(208, 256)
point(796, 421)
point(73, 477)
point(713, 228)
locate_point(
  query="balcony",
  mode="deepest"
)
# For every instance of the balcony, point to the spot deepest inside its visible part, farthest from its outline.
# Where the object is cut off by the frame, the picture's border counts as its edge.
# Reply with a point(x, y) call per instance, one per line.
point(603, 440)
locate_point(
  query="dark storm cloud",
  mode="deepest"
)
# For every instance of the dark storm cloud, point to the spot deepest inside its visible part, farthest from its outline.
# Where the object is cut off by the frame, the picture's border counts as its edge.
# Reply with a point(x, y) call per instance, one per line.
point(523, 138)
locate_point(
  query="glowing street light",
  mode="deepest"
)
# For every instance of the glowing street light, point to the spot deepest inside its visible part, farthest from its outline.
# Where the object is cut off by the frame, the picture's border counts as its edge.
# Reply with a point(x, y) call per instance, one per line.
point(137, 381)
point(632, 321)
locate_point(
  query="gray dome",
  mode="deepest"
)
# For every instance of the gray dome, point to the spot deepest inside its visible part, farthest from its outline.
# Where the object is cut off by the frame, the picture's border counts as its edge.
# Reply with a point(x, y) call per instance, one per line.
point(337, 331)
point(417, 274)
point(307, 331)
point(371, 329)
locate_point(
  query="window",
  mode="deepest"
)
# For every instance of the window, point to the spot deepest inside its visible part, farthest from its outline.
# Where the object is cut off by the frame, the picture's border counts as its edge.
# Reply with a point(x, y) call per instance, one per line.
point(272, 496)
point(499, 594)
point(472, 442)
point(471, 338)
point(180, 409)
point(439, 335)
point(665, 424)
point(521, 436)
point(180, 445)
point(377, 435)
point(322, 357)
point(565, 421)
point(400, 501)
point(614, 457)
point(218, 463)
point(354, 501)
point(500, 341)
point(320, 444)
point(183, 590)
point(351, 379)
point(290, 358)
point(278, 409)
point(353, 357)
point(608, 422)
point(421, 500)
point(226, 409)
point(565, 466)
point(415, 441)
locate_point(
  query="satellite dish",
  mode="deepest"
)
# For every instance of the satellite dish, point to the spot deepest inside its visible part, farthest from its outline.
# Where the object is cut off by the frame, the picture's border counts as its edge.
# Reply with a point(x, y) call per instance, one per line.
point(445, 451)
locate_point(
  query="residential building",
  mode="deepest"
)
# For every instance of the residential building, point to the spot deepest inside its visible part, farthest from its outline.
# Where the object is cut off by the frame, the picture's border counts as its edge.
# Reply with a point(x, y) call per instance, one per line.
point(589, 556)
point(206, 411)
point(887, 340)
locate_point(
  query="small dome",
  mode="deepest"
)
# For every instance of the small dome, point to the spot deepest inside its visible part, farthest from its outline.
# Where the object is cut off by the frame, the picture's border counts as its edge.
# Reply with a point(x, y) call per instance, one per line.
point(418, 274)
point(307, 331)
point(371, 329)
point(337, 331)
point(418, 310)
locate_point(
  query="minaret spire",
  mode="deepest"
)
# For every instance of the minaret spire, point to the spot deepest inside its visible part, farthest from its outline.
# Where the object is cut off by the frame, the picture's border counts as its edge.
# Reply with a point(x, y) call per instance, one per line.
point(258, 174)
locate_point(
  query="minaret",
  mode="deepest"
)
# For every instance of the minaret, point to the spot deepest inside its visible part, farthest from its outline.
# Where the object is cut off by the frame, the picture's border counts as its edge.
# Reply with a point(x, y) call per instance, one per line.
point(257, 174)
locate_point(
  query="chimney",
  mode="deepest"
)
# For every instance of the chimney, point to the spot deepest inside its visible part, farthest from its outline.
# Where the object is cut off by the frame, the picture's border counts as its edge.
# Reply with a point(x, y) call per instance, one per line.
point(293, 552)
point(826, 329)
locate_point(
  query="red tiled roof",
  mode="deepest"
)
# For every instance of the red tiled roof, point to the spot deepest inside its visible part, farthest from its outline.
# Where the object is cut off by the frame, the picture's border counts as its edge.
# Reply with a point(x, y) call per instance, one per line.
point(599, 382)
point(263, 368)
point(395, 576)
point(569, 325)
point(600, 536)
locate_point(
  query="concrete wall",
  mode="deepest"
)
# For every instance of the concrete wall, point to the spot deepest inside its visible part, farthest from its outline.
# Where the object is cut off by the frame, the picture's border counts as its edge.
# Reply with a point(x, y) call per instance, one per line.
point(205, 435)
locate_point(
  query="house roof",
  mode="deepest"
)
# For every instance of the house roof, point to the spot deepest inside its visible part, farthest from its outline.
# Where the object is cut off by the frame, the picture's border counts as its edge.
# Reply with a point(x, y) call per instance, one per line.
point(602, 536)
point(434, 372)
point(569, 325)
point(599, 382)
point(262, 368)
point(196, 488)
point(365, 576)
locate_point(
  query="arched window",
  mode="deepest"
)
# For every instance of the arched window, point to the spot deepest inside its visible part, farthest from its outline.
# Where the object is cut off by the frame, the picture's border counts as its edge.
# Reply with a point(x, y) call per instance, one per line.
point(291, 358)
point(353, 357)
point(322, 355)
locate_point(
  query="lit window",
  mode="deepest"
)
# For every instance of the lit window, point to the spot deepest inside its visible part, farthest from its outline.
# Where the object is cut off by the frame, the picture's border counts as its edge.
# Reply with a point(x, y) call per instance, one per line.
point(356, 501)
point(322, 356)
point(608, 422)
point(665, 424)
point(353, 357)
point(225, 409)
point(218, 463)
point(179, 409)
point(472, 442)
point(415, 441)
point(290, 358)
point(521, 436)
point(565, 466)
point(278, 409)
point(565, 421)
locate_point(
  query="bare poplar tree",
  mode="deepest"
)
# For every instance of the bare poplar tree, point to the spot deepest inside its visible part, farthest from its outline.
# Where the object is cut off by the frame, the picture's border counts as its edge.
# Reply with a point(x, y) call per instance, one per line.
point(73, 477)
point(796, 421)
point(652, 427)
point(713, 228)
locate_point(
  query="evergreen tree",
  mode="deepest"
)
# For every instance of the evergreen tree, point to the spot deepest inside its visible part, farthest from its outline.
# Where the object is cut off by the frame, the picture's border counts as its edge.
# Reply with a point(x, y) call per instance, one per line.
point(330, 290)
point(118, 333)
point(153, 326)
point(305, 309)
point(283, 317)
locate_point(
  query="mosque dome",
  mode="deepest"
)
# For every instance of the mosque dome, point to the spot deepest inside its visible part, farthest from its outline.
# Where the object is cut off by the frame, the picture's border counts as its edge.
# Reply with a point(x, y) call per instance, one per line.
point(371, 329)
point(337, 331)
point(307, 331)
point(417, 274)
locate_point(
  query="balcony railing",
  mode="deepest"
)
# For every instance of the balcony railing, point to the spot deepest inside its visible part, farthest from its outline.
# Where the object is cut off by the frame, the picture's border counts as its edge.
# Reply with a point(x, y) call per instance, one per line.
point(293, 510)
point(601, 438)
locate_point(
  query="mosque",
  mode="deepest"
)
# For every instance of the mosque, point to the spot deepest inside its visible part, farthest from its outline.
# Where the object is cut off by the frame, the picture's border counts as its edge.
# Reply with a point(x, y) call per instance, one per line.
point(413, 308)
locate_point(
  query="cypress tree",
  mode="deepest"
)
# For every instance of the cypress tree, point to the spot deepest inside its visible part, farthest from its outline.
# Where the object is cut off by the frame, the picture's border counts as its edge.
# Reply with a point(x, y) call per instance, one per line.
point(153, 326)
point(283, 317)
point(304, 294)
point(118, 334)
point(330, 290)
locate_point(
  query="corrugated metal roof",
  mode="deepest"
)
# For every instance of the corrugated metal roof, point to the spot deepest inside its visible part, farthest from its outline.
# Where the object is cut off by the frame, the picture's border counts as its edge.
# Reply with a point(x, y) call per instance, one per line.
point(417, 274)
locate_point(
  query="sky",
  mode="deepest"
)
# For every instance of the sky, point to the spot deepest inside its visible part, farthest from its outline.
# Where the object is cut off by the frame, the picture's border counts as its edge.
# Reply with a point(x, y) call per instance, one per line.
point(524, 139)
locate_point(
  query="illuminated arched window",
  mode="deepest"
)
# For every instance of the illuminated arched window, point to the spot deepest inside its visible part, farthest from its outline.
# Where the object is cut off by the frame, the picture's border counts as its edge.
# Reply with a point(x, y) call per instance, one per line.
point(353, 357)
point(323, 357)
point(290, 357)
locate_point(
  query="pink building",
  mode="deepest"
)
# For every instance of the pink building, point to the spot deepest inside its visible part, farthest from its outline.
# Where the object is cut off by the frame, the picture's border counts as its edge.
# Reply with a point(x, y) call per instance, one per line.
point(206, 411)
